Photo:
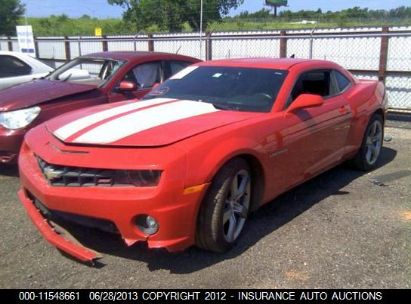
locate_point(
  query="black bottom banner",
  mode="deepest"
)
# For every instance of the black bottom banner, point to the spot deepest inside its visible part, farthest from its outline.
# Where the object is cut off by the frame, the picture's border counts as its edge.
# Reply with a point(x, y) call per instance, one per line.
point(197, 296)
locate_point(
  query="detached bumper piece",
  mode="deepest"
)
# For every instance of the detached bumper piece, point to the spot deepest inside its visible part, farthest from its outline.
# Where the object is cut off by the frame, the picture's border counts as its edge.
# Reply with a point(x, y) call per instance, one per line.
point(54, 233)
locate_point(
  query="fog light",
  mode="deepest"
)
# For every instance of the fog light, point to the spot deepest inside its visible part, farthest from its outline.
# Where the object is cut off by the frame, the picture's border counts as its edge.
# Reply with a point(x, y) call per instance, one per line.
point(147, 224)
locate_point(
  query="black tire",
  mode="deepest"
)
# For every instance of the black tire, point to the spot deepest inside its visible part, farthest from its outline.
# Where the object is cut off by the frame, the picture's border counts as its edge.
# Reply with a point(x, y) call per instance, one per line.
point(370, 150)
point(219, 208)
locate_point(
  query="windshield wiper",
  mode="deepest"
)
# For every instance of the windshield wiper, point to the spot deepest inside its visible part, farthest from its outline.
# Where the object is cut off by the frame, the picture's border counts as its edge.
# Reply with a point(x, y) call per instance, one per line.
point(45, 76)
point(225, 107)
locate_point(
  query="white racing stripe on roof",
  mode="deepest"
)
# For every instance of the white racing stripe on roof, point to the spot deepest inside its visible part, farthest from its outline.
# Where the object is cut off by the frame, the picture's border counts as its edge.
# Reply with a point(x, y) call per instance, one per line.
point(183, 73)
point(127, 125)
point(73, 127)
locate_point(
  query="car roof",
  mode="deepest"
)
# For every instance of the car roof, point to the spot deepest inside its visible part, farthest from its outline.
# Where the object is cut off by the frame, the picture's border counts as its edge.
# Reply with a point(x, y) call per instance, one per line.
point(15, 54)
point(9, 53)
point(267, 63)
point(33, 62)
point(132, 55)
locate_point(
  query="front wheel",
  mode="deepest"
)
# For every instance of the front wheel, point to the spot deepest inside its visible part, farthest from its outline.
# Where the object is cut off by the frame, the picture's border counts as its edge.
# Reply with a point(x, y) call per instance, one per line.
point(370, 150)
point(224, 211)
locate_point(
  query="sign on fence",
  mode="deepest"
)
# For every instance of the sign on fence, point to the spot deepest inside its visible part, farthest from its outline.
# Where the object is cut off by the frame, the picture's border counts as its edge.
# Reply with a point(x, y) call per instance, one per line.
point(98, 32)
point(26, 40)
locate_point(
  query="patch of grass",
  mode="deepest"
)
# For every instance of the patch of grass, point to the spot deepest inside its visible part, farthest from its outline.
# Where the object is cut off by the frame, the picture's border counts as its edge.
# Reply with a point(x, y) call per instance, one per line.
point(84, 26)
point(243, 25)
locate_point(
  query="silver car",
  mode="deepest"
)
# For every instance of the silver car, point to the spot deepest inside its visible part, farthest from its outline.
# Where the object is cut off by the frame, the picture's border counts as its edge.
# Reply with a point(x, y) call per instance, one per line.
point(17, 68)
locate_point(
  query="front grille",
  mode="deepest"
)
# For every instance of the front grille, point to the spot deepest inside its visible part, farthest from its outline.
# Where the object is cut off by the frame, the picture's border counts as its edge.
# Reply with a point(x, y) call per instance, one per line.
point(65, 176)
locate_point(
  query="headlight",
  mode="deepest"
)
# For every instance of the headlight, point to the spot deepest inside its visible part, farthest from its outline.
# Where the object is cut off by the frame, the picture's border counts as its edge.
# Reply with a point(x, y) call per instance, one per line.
point(143, 178)
point(18, 119)
point(138, 178)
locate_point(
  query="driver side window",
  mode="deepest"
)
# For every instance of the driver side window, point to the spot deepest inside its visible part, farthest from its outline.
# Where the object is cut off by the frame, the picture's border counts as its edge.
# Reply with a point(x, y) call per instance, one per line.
point(145, 75)
point(316, 82)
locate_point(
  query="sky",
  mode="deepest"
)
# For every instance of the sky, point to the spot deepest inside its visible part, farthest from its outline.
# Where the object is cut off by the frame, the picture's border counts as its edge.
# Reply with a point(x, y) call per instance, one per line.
point(101, 9)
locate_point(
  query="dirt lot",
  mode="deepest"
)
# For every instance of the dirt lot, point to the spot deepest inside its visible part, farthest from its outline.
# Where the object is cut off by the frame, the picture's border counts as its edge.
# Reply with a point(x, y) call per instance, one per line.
point(342, 229)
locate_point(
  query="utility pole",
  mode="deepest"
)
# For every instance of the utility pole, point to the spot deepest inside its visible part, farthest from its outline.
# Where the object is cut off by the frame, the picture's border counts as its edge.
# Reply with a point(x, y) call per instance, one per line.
point(201, 30)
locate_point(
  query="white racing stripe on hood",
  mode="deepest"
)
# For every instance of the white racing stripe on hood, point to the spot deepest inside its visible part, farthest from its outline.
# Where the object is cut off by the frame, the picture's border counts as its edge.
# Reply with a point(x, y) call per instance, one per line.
point(73, 127)
point(127, 125)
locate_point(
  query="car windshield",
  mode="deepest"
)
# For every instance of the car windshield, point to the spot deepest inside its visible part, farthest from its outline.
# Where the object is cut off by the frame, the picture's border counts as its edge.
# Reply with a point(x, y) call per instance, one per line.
point(227, 88)
point(92, 71)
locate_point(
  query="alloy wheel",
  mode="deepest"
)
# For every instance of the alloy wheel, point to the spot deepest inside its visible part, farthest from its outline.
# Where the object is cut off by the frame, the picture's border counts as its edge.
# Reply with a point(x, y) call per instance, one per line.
point(374, 142)
point(236, 206)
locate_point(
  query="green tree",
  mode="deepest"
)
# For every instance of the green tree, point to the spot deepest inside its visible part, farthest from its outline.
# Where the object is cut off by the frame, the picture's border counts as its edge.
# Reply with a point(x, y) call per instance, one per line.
point(275, 4)
point(172, 14)
point(10, 12)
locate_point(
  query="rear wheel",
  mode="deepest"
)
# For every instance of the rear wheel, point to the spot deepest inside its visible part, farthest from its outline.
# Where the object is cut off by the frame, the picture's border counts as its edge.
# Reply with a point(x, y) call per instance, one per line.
point(370, 150)
point(224, 211)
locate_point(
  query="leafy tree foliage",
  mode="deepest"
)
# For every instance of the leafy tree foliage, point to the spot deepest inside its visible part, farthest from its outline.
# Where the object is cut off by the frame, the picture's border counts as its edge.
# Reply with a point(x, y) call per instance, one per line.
point(84, 26)
point(172, 14)
point(355, 13)
point(10, 12)
point(262, 20)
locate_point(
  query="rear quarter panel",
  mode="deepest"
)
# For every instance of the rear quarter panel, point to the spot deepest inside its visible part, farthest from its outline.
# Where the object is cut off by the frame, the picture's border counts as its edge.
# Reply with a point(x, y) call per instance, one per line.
point(365, 98)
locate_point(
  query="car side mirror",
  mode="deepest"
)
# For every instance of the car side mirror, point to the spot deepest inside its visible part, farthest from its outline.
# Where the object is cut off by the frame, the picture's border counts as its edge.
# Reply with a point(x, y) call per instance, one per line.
point(126, 86)
point(305, 101)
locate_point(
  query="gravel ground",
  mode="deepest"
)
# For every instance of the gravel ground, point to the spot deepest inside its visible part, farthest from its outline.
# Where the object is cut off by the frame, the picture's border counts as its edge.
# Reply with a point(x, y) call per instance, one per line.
point(343, 229)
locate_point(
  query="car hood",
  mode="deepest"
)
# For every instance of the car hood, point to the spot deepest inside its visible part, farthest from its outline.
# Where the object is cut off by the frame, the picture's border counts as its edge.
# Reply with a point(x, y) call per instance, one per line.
point(38, 91)
point(155, 122)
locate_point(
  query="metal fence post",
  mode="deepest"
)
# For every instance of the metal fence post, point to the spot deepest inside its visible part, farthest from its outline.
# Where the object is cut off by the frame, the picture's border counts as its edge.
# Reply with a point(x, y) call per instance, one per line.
point(150, 43)
point(310, 54)
point(209, 46)
point(283, 44)
point(105, 43)
point(135, 43)
point(79, 45)
point(36, 47)
point(9, 43)
point(67, 48)
point(310, 51)
point(382, 71)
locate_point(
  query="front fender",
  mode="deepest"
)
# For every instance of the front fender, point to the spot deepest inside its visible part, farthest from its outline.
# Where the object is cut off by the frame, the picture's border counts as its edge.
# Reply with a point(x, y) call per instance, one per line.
point(208, 157)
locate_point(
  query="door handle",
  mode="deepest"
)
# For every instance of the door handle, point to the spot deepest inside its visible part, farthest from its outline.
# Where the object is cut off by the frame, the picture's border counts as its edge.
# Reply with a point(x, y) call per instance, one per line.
point(343, 109)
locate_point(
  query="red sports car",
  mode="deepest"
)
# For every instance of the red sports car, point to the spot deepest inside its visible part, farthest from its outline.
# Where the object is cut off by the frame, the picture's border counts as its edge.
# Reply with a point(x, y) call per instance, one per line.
point(85, 81)
point(204, 149)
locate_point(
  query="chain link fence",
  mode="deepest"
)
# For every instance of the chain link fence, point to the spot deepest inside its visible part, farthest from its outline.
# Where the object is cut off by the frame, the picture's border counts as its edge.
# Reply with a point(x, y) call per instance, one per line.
point(130, 43)
point(372, 53)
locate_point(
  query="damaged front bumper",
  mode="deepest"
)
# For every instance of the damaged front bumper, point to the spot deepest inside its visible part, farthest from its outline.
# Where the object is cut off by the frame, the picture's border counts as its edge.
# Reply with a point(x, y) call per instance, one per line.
point(171, 203)
point(54, 233)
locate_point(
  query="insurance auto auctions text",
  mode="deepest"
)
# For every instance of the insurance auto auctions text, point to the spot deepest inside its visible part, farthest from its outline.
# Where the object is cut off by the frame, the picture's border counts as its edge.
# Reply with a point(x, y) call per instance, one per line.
point(262, 295)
